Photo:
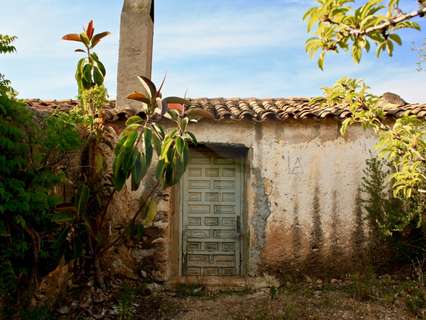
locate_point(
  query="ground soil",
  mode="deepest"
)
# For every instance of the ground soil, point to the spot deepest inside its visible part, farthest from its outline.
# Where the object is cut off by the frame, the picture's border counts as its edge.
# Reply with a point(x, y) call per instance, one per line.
point(355, 297)
point(372, 299)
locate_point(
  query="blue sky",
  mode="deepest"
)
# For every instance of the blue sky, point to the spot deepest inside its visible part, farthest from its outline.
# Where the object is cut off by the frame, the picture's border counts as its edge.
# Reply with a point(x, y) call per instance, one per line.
point(217, 48)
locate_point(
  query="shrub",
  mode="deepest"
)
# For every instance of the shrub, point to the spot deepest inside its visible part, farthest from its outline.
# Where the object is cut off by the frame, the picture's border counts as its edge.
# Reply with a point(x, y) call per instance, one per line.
point(386, 214)
point(31, 149)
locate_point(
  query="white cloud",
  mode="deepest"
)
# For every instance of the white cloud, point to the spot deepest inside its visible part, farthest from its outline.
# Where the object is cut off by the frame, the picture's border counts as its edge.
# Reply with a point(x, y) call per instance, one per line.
point(228, 33)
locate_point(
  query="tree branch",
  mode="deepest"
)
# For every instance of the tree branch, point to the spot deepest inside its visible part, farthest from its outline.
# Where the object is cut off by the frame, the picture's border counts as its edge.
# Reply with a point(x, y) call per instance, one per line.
point(390, 22)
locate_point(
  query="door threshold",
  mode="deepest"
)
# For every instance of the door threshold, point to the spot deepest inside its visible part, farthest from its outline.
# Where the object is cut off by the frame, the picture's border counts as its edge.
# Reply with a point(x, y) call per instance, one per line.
point(226, 282)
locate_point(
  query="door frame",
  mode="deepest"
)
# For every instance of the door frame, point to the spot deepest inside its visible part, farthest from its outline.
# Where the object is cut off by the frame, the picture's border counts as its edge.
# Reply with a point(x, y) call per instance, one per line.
point(177, 230)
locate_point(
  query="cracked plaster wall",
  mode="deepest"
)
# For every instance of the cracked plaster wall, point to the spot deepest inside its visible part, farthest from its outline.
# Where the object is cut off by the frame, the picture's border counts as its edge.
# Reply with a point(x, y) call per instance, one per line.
point(302, 199)
point(302, 191)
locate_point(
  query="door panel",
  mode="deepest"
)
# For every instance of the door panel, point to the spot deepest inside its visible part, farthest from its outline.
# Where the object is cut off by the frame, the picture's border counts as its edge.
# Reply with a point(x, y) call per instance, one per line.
point(211, 204)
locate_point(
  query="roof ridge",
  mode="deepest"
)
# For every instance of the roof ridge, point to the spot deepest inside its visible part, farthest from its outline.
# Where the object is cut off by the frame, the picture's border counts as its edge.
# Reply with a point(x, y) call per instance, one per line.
point(254, 109)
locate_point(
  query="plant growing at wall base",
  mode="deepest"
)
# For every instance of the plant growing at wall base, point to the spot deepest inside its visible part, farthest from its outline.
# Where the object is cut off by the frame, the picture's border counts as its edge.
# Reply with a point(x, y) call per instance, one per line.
point(133, 156)
point(84, 219)
point(31, 154)
point(32, 149)
point(393, 222)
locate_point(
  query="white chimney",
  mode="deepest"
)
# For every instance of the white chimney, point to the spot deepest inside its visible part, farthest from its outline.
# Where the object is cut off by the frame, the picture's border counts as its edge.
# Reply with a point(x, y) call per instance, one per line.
point(136, 42)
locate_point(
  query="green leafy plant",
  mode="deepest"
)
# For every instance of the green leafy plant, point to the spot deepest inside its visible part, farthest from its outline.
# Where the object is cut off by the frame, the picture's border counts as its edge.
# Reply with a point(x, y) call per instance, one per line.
point(125, 306)
point(142, 137)
point(6, 46)
point(133, 155)
point(393, 222)
point(338, 25)
point(31, 154)
point(39, 313)
point(32, 149)
point(416, 301)
point(84, 219)
point(91, 72)
point(401, 143)
point(134, 159)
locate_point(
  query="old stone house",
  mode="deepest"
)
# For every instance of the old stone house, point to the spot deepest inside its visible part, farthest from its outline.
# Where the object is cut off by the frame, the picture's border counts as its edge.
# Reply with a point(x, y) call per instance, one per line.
point(272, 187)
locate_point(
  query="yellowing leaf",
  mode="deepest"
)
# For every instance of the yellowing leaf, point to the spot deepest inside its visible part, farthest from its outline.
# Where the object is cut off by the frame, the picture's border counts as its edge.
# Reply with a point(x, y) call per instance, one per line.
point(151, 213)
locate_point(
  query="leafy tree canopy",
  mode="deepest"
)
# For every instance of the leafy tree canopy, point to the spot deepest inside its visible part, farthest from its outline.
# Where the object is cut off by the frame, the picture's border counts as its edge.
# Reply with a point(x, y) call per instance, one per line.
point(339, 25)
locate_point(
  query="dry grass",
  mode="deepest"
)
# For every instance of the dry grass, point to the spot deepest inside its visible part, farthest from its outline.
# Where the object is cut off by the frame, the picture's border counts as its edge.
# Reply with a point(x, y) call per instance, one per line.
point(359, 297)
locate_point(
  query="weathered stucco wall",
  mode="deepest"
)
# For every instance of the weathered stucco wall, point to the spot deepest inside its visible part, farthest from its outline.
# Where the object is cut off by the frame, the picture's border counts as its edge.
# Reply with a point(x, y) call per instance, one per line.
point(302, 201)
point(302, 206)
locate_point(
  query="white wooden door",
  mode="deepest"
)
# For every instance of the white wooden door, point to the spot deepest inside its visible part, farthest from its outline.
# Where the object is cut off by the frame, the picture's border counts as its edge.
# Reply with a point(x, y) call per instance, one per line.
point(211, 204)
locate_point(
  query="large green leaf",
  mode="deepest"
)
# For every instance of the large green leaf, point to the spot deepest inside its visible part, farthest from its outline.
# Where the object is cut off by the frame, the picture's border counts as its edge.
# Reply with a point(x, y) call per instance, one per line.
point(149, 87)
point(159, 173)
point(148, 140)
point(135, 231)
point(87, 76)
point(159, 131)
point(3, 230)
point(134, 119)
point(82, 199)
point(157, 144)
point(98, 76)
point(85, 39)
point(63, 217)
point(131, 139)
point(119, 144)
point(179, 146)
point(193, 138)
point(125, 157)
point(137, 172)
point(151, 213)
point(166, 148)
point(98, 63)
point(123, 165)
point(79, 73)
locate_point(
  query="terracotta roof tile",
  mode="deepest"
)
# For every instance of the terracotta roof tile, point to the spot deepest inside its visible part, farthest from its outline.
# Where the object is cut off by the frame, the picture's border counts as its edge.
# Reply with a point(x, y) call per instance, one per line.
point(253, 109)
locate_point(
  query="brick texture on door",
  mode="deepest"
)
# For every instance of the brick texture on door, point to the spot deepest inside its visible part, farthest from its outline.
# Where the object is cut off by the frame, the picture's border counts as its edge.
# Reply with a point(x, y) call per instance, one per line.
point(211, 195)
